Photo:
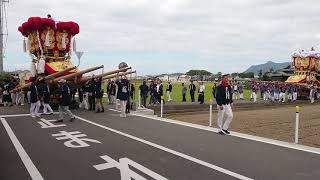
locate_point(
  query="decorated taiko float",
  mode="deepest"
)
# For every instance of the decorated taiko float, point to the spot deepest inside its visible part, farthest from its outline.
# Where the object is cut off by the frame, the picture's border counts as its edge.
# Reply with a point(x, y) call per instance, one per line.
point(305, 65)
point(50, 45)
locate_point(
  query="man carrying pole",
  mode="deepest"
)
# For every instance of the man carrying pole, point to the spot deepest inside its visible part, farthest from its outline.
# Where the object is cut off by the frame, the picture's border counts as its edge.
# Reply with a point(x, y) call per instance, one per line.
point(224, 103)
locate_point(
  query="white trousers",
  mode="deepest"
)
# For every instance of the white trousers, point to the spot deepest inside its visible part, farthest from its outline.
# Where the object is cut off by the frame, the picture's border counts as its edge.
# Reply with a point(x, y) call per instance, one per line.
point(47, 108)
point(64, 109)
point(265, 96)
point(123, 105)
point(229, 115)
point(241, 95)
point(254, 96)
point(282, 97)
point(85, 101)
point(276, 96)
point(290, 96)
point(29, 96)
point(235, 95)
point(34, 109)
point(13, 97)
point(169, 96)
point(295, 96)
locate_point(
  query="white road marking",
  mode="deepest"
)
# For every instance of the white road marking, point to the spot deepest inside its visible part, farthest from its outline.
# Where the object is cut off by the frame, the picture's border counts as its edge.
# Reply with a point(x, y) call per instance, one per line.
point(20, 115)
point(76, 139)
point(32, 169)
point(235, 134)
point(48, 123)
point(124, 166)
point(190, 158)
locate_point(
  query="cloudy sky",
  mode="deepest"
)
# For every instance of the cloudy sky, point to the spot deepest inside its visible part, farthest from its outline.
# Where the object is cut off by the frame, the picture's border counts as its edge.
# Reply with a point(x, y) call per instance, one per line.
point(163, 36)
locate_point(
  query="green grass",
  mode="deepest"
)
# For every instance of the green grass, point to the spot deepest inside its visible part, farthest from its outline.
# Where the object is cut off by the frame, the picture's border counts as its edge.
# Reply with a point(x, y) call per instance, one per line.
point(176, 94)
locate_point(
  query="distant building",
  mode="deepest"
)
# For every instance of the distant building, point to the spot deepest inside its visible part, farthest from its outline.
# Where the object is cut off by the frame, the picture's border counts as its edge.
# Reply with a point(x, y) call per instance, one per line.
point(184, 78)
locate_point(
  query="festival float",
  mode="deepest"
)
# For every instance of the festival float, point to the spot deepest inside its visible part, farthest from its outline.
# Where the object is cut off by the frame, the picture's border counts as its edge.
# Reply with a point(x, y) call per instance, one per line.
point(50, 45)
point(305, 65)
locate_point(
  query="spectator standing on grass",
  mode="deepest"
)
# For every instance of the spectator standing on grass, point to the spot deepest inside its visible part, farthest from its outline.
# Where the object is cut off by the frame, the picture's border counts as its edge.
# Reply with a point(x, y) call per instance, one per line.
point(289, 90)
point(235, 91)
point(276, 92)
point(184, 92)
point(294, 92)
point(159, 90)
point(254, 90)
point(144, 93)
point(130, 98)
point(214, 90)
point(192, 89)
point(169, 91)
point(201, 93)
point(312, 93)
point(282, 96)
point(152, 93)
point(109, 91)
point(240, 90)
point(224, 103)
point(113, 92)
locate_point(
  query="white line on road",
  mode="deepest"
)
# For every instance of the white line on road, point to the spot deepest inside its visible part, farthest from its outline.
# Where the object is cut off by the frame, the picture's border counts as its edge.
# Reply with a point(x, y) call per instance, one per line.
point(32, 169)
point(190, 158)
point(235, 134)
point(20, 115)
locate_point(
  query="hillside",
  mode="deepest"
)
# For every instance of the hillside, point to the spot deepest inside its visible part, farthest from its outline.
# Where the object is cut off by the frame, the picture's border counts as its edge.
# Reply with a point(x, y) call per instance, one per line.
point(266, 67)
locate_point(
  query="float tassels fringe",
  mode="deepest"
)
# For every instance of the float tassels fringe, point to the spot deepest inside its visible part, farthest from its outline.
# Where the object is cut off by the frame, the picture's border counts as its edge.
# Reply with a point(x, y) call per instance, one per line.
point(39, 41)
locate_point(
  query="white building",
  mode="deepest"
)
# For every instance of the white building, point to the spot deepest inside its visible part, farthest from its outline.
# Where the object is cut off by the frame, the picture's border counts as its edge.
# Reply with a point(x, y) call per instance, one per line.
point(184, 78)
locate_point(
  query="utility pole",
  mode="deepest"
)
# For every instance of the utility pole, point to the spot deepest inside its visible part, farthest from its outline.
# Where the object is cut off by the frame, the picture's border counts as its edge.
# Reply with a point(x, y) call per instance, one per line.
point(2, 8)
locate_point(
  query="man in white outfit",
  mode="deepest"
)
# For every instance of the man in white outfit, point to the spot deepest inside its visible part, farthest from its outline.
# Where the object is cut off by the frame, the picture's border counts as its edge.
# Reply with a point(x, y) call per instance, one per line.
point(224, 103)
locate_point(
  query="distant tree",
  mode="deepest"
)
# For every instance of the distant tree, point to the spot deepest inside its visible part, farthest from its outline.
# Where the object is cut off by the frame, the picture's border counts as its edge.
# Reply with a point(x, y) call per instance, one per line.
point(246, 75)
point(260, 74)
point(234, 75)
point(5, 77)
point(201, 73)
point(271, 70)
point(265, 77)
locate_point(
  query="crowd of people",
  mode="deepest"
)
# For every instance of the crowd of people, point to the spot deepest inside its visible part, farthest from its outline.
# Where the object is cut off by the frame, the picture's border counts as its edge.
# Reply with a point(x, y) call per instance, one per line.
point(91, 93)
point(42, 93)
point(265, 90)
point(281, 92)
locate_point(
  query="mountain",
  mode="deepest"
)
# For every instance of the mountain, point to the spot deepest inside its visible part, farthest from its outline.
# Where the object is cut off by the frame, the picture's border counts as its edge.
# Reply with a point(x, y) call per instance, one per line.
point(266, 67)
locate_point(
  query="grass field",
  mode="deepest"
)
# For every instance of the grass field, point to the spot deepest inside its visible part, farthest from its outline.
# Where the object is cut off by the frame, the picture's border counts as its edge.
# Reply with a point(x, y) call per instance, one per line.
point(176, 94)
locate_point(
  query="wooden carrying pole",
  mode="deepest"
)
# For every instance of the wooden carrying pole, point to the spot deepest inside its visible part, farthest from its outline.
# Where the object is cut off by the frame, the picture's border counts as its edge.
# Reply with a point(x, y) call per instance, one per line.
point(84, 79)
point(69, 76)
point(51, 76)
point(115, 75)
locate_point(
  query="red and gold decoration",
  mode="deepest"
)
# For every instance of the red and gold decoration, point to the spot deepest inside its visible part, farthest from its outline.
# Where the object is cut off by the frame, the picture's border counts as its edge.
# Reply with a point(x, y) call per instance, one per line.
point(305, 64)
point(51, 41)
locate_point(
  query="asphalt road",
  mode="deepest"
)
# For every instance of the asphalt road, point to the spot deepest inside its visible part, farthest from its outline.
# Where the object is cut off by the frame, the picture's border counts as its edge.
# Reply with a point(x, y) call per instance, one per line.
point(110, 147)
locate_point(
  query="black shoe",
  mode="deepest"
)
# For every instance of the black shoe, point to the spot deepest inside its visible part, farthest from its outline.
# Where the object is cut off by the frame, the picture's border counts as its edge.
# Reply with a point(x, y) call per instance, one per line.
point(72, 119)
point(98, 111)
point(221, 133)
point(59, 121)
point(226, 131)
